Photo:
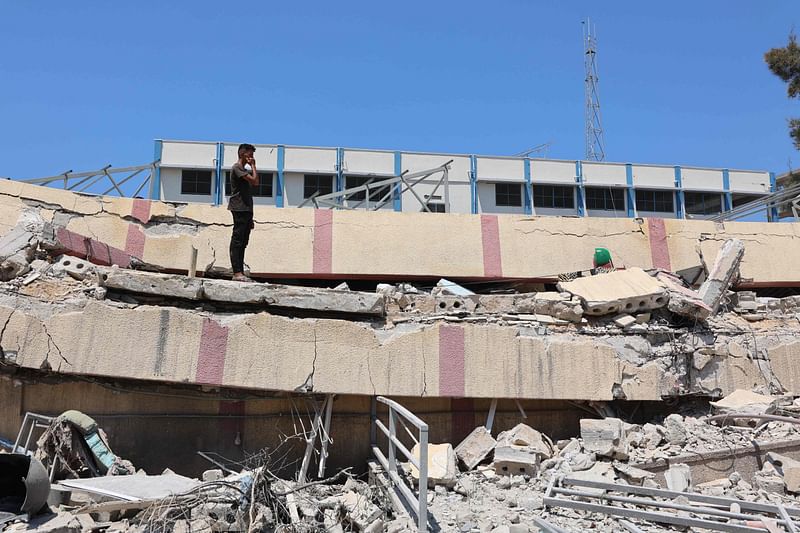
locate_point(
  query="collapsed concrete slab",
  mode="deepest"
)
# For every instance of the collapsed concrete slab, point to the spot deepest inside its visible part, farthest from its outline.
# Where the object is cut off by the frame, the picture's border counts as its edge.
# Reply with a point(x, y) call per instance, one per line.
point(623, 291)
point(262, 294)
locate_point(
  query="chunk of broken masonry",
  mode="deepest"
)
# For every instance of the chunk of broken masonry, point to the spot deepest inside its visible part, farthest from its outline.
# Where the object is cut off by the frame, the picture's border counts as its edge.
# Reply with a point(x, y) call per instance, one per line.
point(510, 460)
point(454, 289)
point(682, 300)
point(722, 274)
point(788, 468)
point(441, 464)
point(679, 477)
point(604, 437)
point(624, 320)
point(524, 435)
point(475, 447)
point(743, 401)
point(622, 291)
point(16, 252)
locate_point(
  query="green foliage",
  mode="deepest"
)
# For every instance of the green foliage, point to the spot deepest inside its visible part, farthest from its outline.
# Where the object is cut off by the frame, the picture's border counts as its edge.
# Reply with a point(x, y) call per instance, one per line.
point(785, 63)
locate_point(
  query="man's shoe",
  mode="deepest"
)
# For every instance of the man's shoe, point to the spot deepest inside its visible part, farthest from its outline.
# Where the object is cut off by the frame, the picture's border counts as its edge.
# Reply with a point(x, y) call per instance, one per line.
point(242, 277)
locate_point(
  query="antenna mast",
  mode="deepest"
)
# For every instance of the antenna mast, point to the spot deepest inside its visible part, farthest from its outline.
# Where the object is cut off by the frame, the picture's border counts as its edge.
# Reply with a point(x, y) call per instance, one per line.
point(595, 150)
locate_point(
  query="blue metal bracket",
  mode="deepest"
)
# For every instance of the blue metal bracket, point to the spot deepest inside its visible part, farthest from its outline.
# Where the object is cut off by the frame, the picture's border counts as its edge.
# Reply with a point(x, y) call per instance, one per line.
point(528, 198)
point(473, 183)
point(726, 186)
point(629, 192)
point(339, 185)
point(397, 197)
point(155, 185)
point(680, 209)
point(219, 179)
point(772, 214)
point(579, 188)
point(279, 181)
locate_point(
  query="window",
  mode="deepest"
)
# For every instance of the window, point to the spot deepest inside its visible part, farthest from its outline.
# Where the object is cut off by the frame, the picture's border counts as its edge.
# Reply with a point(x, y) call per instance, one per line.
point(606, 199)
point(375, 194)
point(554, 196)
point(655, 201)
point(703, 203)
point(321, 183)
point(264, 187)
point(195, 181)
point(742, 199)
point(435, 207)
point(508, 194)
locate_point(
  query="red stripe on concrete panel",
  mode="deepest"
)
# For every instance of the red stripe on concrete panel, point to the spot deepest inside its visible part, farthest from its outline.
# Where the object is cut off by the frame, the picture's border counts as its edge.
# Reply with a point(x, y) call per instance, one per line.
point(134, 242)
point(462, 418)
point(211, 356)
point(323, 241)
point(141, 210)
point(490, 237)
point(659, 250)
point(93, 250)
point(451, 361)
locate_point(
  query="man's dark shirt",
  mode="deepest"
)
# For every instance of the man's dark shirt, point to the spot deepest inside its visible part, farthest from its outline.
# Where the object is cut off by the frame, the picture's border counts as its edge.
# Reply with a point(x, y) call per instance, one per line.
point(241, 198)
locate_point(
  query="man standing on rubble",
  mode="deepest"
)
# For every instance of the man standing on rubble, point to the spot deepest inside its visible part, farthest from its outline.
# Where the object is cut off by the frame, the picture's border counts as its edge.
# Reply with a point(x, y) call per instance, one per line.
point(240, 204)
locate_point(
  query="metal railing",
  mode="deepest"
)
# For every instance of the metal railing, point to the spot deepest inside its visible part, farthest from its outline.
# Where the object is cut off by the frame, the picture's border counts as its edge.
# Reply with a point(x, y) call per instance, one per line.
point(118, 178)
point(390, 463)
point(784, 201)
point(31, 422)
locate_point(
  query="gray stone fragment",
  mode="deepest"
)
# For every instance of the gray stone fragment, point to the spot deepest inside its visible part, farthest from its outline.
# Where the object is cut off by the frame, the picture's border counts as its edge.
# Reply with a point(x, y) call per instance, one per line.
point(679, 477)
point(722, 273)
point(515, 460)
point(475, 447)
point(604, 437)
point(675, 430)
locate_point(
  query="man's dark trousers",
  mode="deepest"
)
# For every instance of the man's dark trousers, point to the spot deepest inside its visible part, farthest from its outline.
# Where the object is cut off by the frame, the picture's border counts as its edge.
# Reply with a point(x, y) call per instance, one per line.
point(242, 223)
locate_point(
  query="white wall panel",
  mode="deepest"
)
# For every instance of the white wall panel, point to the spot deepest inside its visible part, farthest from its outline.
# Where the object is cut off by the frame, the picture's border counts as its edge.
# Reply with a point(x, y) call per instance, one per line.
point(171, 188)
point(701, 179)
point(743, 181)
point(266, 156)
point(459, 168)
point(603, 174)
point(500, 169)
point(460, 198)
point(188, 155)
point(293, 189)
point(552, 171)
point(311, 160)
point(653, 177)
point(364, 162)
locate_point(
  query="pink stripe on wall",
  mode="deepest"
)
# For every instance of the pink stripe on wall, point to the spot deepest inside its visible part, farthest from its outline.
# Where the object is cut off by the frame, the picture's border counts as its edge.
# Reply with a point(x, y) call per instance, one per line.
point(141, 210)
point(323, 241)
point(211, 355)
point(451, 361)
point(659, 249)
point(134, 242)
point(490, 238)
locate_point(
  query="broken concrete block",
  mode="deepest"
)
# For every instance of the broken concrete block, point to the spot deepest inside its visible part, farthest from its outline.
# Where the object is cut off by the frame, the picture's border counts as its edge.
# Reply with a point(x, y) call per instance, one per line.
point(722, 274)
point(581, 461)
point(74, 267)
point(632, 474)
point(682, 300)
point(604, 437)
point(679, 477)
point(360, 510)
point(624, 320)
point(788, 468)
point(15, 241)
point(455, 305)
point(475, 447)
point(555, 304)
point(642, 318)
point(601, 472)
point(675, 430)
point(512, 460)
point(14, 266)
point(215, 474)
point(168, 285)
point(442, 468)
point(524, 435)
point(622, 291)
point(743, 401)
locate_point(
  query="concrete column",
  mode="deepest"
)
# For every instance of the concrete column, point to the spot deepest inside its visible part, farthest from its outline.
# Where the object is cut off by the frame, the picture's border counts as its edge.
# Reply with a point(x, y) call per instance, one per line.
point(630, 194)
point(528, 197)
point(680, 206)
point(397, 197)
point(279, 180)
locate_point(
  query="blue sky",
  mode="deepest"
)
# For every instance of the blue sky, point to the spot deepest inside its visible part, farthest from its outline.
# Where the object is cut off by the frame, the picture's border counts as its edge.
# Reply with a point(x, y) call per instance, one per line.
point(85, 84)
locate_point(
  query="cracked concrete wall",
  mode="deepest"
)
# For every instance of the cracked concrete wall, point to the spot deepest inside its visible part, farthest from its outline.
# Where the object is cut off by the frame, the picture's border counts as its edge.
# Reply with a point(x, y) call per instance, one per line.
point(398, 245)
point(455, 360)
